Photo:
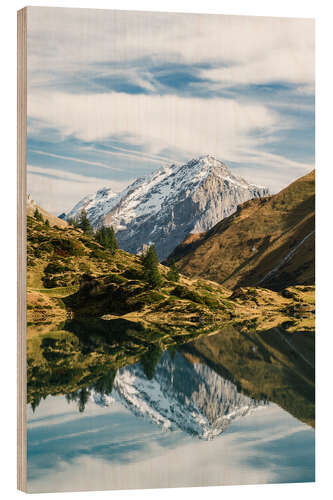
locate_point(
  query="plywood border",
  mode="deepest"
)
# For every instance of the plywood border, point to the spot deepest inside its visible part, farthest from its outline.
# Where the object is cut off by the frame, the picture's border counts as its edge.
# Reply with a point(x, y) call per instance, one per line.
point(21, 247)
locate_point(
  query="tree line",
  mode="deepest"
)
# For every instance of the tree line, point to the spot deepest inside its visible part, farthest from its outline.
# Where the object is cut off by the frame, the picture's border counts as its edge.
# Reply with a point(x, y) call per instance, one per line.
point(104, 235)
point(107, 238)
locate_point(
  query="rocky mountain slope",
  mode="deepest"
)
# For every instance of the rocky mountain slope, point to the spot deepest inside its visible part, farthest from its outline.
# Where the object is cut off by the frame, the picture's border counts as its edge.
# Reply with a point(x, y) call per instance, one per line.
point(181, 395)
point(164, 207)
point(268, 242)
point(96, 205)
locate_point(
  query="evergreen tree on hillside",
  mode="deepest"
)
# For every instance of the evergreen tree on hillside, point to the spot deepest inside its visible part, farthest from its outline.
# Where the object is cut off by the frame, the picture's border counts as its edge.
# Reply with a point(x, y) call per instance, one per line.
point(84, 223)
point(113, 240)
point(72, 222)
point(151, 272)
point(173, 274)
point(47, 223)
point(107, 238)
point(38, 216)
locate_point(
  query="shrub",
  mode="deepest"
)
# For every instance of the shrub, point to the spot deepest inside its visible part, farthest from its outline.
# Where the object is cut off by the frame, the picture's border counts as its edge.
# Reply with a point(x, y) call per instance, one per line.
point(67, 247)
point(184, 293)
point(84, 267)
point(173, 274)
point(132, 274)
point(100, 254)
point(55, 267)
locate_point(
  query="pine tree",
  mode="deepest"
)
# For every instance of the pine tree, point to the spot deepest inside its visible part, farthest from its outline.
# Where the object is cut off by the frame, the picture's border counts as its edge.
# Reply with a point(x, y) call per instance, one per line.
point(84, 223)
point(173, 274)
point(107, 238)
point(38, 216)
point(47, 223)
point(151, 272)
point(72, 222)
point(113, 240)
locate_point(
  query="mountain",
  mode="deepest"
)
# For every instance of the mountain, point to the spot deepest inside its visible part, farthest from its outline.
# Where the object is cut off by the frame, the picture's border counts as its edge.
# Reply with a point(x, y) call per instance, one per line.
point(268, 242)
point(96, 205)
point(181, 395)
point(164, 207)
point(53, 220)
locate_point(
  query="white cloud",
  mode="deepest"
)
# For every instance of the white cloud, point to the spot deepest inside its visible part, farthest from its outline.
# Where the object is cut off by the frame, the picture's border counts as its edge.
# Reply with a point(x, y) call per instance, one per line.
point(72, 158)
point(72, 39)
point(128, 153)
point(278, 65)
point(219, 126)
point(233, 130)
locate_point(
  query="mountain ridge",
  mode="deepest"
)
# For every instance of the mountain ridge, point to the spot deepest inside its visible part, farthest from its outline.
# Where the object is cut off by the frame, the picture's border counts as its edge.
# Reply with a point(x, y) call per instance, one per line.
point(165, 206)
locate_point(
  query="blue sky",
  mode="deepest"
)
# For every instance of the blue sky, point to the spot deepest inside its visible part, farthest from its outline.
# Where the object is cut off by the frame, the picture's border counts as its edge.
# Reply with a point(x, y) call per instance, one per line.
point(113, 95)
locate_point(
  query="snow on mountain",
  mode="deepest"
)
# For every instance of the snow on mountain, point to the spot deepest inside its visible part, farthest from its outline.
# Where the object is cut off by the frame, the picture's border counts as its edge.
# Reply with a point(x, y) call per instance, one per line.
point(165, 206)
point(96, 204)
point(181, 395)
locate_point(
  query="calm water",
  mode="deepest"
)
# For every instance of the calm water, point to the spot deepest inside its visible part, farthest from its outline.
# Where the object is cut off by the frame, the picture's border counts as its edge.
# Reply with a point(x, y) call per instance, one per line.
point(180, 424)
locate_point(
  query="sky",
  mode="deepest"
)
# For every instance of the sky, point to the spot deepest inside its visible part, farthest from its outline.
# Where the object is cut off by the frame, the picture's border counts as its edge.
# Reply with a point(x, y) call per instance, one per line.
point(110, 448)
point(114, 95)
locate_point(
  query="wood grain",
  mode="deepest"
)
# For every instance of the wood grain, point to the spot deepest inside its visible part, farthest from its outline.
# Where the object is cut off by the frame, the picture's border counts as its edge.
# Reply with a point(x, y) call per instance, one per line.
point(21, 246)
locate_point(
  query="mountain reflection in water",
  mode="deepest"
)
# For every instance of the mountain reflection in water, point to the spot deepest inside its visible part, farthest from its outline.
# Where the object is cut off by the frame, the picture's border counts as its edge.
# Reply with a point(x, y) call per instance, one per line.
point(199, 387)
point(215, 386)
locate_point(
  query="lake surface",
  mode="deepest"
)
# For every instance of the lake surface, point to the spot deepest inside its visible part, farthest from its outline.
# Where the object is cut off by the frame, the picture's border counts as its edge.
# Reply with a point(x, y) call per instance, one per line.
point(175, 421)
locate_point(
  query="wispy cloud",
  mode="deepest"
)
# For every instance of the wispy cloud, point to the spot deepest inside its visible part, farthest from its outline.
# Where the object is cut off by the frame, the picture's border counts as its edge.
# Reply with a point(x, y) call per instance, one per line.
point(219, 126)
point(72, 158)
point(128, 153)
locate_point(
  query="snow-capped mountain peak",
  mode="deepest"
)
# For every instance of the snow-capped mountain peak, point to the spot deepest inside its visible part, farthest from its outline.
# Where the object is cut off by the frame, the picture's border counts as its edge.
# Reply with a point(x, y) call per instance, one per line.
point(168, 204)
point(95, 204)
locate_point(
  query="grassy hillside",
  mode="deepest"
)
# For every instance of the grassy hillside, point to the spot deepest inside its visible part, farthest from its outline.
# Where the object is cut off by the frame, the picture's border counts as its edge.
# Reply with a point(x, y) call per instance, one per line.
point(268, 242)
point(70, 273)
